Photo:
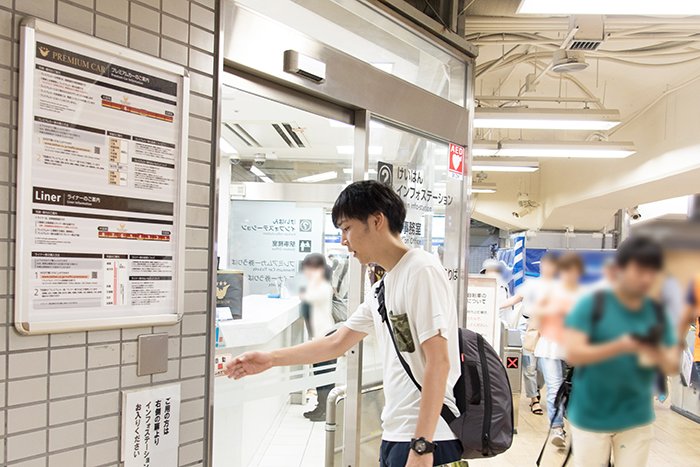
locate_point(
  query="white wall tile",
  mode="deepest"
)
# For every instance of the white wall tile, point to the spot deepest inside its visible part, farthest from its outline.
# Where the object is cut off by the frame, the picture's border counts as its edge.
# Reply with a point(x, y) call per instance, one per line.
point(180, 8)
point(100, 454)
point(129, 377)
point(69, 458)
point(66, 339)
point(191, 410)
point(99, 405)
point(102, 429)
point(66, 436)
point(67, 384)
point(174, 28)
point(75, 18)
point(191, 453)
point(26, 445)
point(71, 359)
point(145, 17)
point(202, 17)
point(44, 9)
point(26, 391)
point(65, 411)
point(117, 8)
point(103, 379)
point(27, 418)
point(103, 355)
point(111, 30)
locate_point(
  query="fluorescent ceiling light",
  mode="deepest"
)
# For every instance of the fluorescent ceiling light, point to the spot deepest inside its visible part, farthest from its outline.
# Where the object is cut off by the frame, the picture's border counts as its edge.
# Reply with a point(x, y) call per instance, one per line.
point(546, 119)
point(608, 7)
point(565, 149)
point(226, 147)
point(484, 188)
point(503, 166)
point(322, 177)
point(385, 67)
point(349, 171)
point(349, 150)
point(260, 174)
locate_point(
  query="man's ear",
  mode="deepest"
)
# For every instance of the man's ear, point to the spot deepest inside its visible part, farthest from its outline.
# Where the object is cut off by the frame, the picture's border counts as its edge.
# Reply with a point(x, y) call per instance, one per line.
point(378, 220)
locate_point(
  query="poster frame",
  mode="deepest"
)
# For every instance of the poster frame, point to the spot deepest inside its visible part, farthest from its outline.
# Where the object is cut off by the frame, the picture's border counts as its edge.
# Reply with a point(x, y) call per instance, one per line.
point(479, 280)
point(84, 43)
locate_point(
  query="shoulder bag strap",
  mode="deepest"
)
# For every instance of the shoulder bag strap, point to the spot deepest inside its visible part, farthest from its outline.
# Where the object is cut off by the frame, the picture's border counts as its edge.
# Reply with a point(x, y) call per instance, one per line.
point(446, 413)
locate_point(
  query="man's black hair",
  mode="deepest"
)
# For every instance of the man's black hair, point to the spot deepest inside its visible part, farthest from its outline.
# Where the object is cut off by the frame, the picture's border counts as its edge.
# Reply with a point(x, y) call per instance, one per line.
point(642, 250)
point(363, 199)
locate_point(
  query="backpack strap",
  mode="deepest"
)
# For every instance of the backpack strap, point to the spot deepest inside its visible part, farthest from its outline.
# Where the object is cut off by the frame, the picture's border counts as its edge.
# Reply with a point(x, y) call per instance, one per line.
point(598, 308)
point(446, 413)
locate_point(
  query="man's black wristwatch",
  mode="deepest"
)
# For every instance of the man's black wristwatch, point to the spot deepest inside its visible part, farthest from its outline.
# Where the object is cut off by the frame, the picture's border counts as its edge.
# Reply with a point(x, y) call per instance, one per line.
point(422, 446)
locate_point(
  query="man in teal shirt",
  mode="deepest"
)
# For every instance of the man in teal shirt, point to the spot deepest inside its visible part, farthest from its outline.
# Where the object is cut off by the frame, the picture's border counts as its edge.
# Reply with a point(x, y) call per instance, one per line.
point(611, 403)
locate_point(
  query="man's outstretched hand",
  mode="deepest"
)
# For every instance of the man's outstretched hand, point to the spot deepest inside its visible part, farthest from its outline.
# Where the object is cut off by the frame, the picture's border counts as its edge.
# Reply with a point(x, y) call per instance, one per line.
point(250, 363)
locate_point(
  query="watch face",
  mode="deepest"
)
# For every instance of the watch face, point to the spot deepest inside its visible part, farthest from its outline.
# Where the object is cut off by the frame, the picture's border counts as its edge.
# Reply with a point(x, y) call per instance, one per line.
point(421, 446)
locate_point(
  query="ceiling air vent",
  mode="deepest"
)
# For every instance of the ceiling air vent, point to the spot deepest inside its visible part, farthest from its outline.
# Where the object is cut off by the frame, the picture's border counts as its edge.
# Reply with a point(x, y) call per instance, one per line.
point(586, 33)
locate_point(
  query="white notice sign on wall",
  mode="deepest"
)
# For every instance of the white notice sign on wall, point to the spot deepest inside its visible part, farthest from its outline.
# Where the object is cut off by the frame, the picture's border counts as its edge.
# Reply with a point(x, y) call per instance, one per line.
point(150, 426)
point(482, 315)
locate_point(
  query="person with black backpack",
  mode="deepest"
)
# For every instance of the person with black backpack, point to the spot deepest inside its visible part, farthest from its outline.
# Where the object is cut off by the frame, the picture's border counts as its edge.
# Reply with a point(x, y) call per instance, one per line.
point(413, 312)
point(618, 340)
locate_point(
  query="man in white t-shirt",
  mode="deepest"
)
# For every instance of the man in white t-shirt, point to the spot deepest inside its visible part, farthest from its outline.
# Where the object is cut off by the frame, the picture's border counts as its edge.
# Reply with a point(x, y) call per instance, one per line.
point(423, 316)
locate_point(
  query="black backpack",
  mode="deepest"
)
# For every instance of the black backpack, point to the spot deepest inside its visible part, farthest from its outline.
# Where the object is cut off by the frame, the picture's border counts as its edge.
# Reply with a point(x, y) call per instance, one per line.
point(562, 400)
point(482, 394)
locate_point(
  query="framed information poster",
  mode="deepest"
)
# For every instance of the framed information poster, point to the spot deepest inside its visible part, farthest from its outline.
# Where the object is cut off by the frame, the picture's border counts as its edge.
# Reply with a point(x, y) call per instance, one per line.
point(482, 314)
point(101, 184)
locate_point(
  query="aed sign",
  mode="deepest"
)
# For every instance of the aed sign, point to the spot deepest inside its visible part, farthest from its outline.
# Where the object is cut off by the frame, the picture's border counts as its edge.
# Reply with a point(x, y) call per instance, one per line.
point(456, 161)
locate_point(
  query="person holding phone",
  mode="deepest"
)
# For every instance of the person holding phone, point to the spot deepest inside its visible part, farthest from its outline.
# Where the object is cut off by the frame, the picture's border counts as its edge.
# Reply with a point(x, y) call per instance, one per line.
point(617, 356)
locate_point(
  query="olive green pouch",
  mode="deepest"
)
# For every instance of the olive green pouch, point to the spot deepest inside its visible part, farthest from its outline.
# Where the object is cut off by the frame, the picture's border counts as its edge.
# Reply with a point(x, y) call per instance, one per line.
point(402, 332)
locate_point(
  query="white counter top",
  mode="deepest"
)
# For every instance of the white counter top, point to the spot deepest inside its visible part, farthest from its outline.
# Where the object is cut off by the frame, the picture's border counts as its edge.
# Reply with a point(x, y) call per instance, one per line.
point(263, 319)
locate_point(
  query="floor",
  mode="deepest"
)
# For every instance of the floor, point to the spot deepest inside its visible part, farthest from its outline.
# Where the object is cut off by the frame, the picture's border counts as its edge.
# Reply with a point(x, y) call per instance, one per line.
point(300, 443)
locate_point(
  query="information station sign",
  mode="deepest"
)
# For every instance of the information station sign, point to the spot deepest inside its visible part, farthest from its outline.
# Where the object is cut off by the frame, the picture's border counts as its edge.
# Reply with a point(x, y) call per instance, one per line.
point(101, 184)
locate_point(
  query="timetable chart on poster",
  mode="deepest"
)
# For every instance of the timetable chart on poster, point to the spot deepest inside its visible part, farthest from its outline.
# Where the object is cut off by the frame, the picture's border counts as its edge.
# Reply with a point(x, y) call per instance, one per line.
point(102, 192)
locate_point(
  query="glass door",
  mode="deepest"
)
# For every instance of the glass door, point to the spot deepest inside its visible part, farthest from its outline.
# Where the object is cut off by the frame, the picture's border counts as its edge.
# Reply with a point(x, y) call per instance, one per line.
point(417, 166)
point(283, 276)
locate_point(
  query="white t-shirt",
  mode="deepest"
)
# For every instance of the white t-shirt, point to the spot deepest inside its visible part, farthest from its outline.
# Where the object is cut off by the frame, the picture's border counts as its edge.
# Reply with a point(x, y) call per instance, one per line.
point(417, 287)
point(319, 296)
point(533, 291)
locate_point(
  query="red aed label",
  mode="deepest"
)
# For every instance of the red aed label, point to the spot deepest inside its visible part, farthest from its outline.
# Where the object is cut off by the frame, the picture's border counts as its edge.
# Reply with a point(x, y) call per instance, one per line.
point(456, 162)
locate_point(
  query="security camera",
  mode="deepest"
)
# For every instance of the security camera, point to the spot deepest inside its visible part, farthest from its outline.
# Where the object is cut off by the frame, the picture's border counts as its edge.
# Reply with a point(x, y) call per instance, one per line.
point(235, 159)
point(523, 212)
point(634, 213)
point(260, 159)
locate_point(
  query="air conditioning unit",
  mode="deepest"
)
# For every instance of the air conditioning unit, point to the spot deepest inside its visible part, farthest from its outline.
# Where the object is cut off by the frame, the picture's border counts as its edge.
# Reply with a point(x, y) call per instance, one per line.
point(588, 33)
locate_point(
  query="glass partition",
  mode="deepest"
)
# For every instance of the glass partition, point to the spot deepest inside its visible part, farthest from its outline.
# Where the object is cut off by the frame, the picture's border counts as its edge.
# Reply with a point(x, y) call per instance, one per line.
point(417, 167)
point(368, 35)
point(281, 169)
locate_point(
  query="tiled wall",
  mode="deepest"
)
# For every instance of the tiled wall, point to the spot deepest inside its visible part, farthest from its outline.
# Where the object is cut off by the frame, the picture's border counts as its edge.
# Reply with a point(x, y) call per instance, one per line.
point(59, 394)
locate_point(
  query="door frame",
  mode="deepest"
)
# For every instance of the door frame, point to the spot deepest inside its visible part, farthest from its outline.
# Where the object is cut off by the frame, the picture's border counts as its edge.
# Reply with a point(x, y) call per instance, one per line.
point(346, 97)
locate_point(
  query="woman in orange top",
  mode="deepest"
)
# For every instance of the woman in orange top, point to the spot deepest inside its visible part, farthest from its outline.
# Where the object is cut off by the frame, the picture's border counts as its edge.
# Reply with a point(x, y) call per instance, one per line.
point(550, 349)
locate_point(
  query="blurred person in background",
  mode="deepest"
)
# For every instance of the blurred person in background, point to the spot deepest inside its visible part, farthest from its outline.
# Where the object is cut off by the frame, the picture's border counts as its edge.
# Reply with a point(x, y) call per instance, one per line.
point(691, 315)
point(495, 268)
point(317, 297)
point(534, 291)
point(550, 351)
point(608, 275)
point(616, 359)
